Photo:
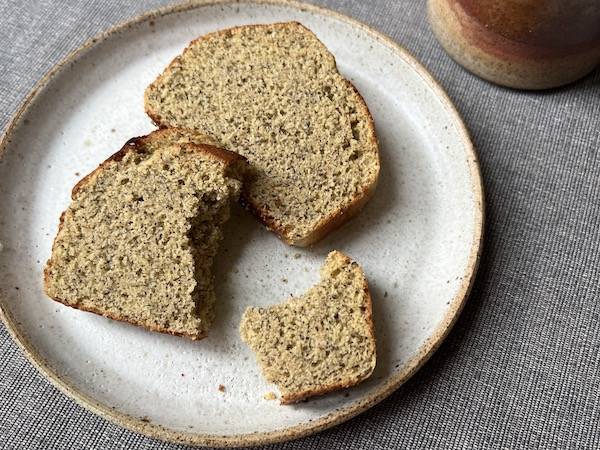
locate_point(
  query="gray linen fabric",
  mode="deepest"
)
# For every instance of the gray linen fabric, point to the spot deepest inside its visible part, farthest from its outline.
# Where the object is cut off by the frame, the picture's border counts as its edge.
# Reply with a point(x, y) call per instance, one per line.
point(521, 369)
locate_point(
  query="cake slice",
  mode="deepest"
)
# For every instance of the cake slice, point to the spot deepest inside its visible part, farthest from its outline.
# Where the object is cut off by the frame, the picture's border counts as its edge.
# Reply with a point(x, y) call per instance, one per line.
point(273, 94)
point(319, 342)
point(138, 240)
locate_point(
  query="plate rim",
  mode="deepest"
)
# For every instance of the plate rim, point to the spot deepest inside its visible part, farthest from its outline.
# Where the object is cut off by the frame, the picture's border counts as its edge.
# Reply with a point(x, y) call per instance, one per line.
point(338, 416)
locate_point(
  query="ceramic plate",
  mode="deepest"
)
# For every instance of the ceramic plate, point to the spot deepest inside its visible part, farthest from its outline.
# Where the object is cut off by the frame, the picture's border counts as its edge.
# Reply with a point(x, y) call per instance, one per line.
point(418, 239)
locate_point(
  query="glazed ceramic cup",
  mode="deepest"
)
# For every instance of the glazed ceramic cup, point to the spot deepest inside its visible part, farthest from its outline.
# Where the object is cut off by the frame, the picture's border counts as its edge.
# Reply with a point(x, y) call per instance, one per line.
point(526, 44)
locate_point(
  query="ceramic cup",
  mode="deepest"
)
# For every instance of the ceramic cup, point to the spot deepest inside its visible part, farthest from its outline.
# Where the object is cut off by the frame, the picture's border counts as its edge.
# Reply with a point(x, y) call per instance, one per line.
point(526, 44)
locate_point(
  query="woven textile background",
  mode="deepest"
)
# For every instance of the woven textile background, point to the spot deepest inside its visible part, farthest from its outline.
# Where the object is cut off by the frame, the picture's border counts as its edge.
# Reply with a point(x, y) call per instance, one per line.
point(521, 369)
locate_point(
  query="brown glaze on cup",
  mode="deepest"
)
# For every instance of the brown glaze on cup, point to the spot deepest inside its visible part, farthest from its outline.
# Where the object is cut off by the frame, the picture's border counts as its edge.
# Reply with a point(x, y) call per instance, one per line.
point(530, 44)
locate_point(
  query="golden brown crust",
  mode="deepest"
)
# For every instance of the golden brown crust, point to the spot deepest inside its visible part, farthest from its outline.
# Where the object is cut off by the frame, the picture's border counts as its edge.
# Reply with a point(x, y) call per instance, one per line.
point(328, 224)
point(154, 117)
point(296, 397)
point(264, 217)
point(130, 145)
point(135, 144)
point(337, 219)
point(369, 314)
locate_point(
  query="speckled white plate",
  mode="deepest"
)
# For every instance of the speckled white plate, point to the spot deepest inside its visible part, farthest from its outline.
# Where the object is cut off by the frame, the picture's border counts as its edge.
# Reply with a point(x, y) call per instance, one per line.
point(418, 239)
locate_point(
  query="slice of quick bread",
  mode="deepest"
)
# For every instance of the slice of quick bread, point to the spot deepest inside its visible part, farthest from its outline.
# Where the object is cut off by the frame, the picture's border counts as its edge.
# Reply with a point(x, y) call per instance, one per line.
point(138, 240)
point(319, 342)
point(273, 94)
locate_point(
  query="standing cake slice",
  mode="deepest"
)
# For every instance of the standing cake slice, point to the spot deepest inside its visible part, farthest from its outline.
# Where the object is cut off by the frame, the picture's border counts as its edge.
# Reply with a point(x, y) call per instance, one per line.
point(273, 94)
point(319, 342)
point(138, 240)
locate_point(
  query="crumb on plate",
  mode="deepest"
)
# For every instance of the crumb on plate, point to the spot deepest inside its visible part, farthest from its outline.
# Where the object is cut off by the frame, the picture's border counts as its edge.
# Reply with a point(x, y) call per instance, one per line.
point(270, 396)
